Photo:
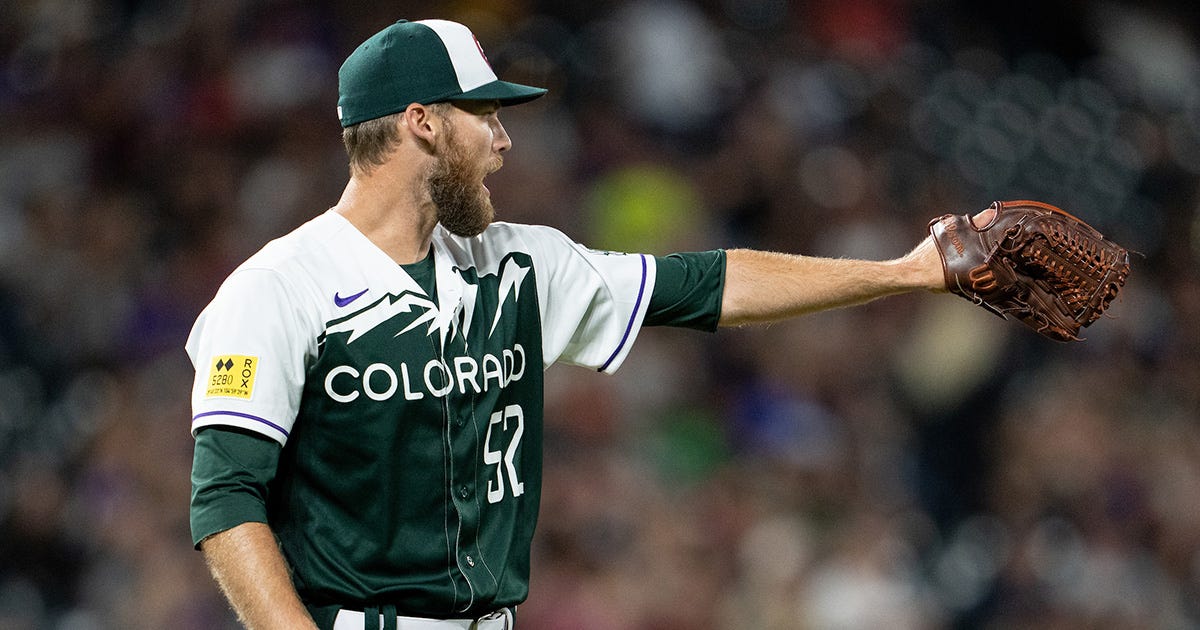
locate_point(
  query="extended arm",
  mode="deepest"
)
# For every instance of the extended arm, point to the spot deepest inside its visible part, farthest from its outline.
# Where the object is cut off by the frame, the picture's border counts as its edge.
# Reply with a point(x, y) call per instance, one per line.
point(253, 575)
point(766, 286)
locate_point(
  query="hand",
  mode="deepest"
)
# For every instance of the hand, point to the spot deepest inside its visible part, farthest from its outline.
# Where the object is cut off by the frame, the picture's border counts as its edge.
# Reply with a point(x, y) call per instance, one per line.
point(1032, 262)
point(984, 217)
point(927, 262)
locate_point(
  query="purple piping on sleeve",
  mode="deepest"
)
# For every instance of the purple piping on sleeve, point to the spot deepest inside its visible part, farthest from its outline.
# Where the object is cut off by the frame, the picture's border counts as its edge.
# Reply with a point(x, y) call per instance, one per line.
point(242, 415)
point(633, 316)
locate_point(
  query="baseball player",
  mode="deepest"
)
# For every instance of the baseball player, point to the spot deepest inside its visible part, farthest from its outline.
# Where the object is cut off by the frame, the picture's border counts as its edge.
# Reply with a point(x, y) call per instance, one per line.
point(368, 397)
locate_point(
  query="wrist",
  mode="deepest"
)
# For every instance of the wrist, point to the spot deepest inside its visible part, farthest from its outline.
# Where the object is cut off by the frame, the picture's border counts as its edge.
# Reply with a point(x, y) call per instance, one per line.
point(922, 268)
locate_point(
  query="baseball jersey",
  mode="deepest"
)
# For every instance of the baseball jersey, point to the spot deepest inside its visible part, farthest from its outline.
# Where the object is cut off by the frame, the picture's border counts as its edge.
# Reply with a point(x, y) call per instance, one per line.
point(408, 399)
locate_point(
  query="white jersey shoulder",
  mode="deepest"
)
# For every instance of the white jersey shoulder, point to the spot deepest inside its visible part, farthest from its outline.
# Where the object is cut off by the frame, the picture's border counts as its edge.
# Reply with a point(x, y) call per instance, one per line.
point(592, 302)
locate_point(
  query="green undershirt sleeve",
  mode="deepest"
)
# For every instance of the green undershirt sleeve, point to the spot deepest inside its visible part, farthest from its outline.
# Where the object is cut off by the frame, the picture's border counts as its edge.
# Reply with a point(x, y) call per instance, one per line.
point(687, 290)
point(231, 470)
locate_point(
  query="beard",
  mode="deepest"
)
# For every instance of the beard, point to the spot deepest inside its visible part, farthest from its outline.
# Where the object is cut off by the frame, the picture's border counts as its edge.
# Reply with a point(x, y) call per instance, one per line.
point(455, 185)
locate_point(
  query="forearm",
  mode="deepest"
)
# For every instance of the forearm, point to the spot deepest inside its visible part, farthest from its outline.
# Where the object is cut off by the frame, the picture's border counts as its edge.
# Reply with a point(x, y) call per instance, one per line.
point(253, 574)
point(765, 286)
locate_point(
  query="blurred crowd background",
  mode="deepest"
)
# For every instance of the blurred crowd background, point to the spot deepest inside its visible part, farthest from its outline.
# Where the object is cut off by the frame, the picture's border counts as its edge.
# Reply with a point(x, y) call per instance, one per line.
point(912, 463)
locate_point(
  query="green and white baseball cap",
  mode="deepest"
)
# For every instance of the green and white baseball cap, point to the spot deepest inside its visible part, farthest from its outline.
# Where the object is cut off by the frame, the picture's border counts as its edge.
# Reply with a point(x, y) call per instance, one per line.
point(426, 61)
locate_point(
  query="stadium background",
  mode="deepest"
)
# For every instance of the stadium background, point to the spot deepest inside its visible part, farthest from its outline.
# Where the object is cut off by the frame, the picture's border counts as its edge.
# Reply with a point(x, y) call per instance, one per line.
point(914, 463)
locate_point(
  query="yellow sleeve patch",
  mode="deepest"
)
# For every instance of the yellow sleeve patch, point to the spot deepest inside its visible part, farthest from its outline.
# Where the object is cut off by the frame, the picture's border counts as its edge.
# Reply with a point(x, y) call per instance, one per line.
point(231, 376)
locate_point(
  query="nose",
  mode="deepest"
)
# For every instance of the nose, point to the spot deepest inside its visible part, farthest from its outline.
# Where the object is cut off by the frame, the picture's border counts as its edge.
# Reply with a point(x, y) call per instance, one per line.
point(500, 140)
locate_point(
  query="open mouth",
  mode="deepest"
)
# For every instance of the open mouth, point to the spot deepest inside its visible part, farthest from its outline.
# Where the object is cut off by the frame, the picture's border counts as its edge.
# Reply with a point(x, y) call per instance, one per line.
point(492, 168)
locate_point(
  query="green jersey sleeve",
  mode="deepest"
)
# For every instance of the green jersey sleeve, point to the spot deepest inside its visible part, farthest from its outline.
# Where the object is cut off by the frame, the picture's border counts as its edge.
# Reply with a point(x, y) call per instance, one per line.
point(231, 469)
point(687, 290)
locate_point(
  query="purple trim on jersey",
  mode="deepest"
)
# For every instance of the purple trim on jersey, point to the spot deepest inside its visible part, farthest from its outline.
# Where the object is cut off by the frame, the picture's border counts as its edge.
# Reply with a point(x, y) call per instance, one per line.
point(633, 316)
point(242, 415)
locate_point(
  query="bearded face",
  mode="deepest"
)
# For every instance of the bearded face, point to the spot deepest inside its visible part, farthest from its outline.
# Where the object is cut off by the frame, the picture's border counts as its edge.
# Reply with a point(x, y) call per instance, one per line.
point(455, 182)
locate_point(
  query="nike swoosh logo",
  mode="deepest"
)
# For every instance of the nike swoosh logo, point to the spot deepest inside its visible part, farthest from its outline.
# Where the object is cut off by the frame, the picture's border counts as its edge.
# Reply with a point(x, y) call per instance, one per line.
point(345, 301)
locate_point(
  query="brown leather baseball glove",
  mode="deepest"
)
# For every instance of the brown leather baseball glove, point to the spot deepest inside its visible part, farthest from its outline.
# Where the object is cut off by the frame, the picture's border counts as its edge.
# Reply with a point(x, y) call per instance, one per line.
point(1032, 261)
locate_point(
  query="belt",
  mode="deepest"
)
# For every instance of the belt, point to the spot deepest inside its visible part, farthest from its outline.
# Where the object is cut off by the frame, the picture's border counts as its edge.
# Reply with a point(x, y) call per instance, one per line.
point(357, 620)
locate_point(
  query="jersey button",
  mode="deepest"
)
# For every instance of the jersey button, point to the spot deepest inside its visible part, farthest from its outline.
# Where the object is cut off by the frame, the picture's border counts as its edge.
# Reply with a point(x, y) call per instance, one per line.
point(470, 561)
point(464, 492)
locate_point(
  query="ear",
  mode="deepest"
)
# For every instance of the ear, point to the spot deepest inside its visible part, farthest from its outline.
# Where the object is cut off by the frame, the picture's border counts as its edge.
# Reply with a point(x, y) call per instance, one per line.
point(423, 124)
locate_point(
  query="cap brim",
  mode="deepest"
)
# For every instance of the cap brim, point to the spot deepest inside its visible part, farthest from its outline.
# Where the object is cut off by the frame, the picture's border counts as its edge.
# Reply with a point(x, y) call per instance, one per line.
point(503, 91)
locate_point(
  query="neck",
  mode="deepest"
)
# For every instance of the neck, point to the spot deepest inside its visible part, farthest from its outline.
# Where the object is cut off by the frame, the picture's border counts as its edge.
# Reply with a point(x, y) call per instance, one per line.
point(391, 212)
